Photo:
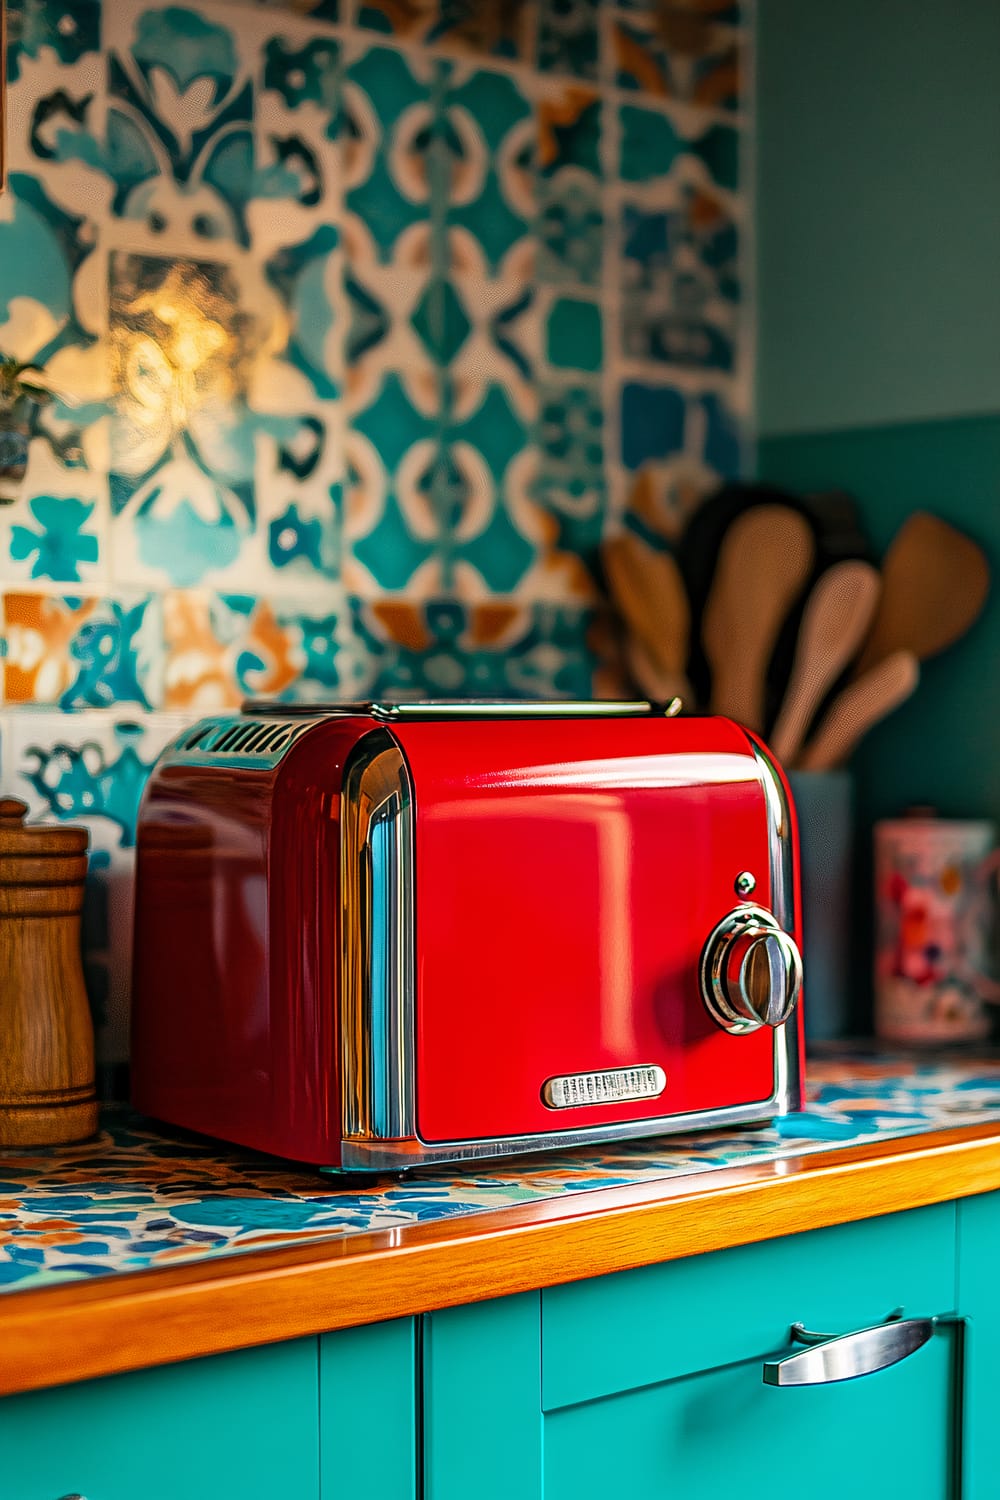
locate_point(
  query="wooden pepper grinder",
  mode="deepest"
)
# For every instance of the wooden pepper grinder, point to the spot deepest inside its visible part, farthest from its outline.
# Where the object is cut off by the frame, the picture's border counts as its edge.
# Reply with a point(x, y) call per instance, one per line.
point(47, 1091)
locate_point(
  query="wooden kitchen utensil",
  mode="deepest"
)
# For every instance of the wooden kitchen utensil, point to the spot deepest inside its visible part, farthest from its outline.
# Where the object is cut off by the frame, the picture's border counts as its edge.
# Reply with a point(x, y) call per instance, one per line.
point(861, 704)
point(47, 1092)
point(656, 685)
point(837, 615)
point(648, 590)
point(934, 584)
point(764, 563)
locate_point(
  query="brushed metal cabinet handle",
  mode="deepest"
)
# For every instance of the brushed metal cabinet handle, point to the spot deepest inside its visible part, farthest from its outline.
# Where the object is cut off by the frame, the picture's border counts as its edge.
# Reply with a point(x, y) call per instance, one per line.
point(829, 1358)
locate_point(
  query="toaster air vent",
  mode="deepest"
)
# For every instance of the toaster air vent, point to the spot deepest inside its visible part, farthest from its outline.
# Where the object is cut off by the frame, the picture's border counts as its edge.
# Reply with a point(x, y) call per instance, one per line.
point(239, 741)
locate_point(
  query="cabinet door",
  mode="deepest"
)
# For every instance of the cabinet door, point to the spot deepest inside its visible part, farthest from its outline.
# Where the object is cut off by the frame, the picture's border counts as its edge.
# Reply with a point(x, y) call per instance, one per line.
point(233, 1427)
point(368, 1412)
point(979, 1299)
point(652, 1380)
point(649, 1383)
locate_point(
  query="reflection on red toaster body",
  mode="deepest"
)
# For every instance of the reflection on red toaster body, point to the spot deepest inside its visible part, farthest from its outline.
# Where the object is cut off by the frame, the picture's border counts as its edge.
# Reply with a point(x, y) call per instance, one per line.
point(367, 938)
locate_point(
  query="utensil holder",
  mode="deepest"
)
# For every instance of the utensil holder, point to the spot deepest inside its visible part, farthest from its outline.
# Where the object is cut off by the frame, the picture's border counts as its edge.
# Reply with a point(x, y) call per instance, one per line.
point(824, 802)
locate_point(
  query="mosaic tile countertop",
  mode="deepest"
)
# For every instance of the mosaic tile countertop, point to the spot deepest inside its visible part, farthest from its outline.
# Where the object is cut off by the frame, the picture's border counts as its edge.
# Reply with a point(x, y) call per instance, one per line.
point(137, 1197)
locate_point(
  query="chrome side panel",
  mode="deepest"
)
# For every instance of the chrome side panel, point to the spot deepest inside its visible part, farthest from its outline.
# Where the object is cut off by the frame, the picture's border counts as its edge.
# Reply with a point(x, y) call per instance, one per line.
point(377, 1042)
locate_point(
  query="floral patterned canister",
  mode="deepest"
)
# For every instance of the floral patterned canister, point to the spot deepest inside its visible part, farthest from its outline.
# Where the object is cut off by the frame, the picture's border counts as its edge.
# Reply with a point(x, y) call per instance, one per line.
point(934, 924)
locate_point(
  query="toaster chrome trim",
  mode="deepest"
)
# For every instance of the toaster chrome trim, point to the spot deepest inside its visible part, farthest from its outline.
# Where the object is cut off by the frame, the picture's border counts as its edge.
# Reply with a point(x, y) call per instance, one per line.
point(400, 1156)
point(378, 769)
point(473, 708)
point(787, 1064)
point(376, 917)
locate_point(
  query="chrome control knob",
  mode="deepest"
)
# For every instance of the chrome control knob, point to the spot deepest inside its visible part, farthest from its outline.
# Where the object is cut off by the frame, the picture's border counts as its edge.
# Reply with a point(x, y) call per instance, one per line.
point(751, 971)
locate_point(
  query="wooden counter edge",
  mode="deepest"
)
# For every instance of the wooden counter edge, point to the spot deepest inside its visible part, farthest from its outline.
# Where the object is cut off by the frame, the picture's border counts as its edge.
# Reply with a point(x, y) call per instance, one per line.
point(83, 1330)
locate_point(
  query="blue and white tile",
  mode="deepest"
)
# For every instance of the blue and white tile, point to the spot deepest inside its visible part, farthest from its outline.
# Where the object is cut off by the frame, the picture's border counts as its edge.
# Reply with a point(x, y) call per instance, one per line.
point(56, 529)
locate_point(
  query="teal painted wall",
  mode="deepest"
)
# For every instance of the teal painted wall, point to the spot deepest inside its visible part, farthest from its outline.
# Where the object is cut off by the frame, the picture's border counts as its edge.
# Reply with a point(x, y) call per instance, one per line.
point(878, 212)
point(878, 372)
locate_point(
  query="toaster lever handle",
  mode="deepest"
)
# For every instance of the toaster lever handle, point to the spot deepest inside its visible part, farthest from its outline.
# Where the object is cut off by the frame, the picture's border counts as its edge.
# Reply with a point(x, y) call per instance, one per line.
point(829, 1358)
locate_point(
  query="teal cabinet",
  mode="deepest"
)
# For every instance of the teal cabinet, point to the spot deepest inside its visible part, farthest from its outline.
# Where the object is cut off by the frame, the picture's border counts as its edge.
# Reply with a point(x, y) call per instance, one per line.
point(233, 1427)
point(315, 1419)
point(979, 1298)
point(650, 1382)
point(368, 1437)
point(644, 1383)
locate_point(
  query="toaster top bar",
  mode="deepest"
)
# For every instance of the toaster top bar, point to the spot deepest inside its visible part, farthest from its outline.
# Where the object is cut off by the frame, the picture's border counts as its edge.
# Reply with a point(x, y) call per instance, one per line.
point(471, 708)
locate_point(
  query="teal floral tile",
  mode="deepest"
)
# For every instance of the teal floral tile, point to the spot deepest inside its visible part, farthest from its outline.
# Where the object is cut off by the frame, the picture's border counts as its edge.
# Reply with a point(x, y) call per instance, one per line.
point(568, 37)
point(681, 52)
point(223, 648)
point(441, 648)
point(570, 120)
point(489, 534)
point(48, 308)
point(681, 282)
point(57, 539)
point(651, 144)
point(35, 28)
point(301, 486)
point(570, 222)
point(182, 435)
point(571, 231)
point(306, 74)
point(89, 768)
point(179, 127)
point(81, 653)
point(503, 28)
point(675, 447)
point(486, 200)
point(389, 526)
point(573, 334)
point(438, 501)
point(493, 338)
point(307, 278)
point(571, 485)
point(393, 150)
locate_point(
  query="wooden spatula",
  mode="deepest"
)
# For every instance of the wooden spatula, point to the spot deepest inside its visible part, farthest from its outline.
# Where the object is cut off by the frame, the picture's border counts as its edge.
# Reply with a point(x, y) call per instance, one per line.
point(764, 561)
point(648, 589)
point(934, 584)
point(836, 618)
point(862, 703)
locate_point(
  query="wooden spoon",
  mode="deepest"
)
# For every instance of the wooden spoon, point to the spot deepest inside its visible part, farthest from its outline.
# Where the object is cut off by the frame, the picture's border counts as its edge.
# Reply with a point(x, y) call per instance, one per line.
point(837, 615)
point(934, 584)
point(763, 565)
point(656, 685)
point(862, 703)
point(648, 589)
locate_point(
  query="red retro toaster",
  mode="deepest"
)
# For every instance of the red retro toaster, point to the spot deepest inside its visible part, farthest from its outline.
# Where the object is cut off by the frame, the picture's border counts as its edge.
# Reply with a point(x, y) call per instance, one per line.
point(370, 936)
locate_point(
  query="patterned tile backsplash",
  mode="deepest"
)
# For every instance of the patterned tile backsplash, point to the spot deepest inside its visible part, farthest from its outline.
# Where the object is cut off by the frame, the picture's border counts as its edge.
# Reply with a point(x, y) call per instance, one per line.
point(367, 318)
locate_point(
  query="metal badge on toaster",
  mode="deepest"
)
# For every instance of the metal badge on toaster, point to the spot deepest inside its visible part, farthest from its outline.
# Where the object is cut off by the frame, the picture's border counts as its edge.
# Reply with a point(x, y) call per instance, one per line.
point(370, 936)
